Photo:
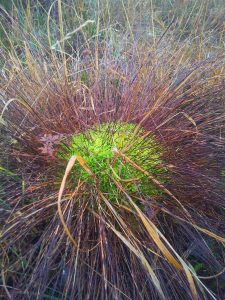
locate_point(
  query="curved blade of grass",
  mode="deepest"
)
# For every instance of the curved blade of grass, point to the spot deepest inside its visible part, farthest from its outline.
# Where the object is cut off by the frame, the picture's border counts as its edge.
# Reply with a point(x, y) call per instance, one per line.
point(69, 167)
point(20, 101)
point(67, 171)
point(70, 34)
point(209, 233)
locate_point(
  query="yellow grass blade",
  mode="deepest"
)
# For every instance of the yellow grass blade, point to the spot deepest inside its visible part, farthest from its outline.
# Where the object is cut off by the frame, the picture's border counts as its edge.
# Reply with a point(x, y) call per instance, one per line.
point(61, 29)
point(31, 64)
point(154, 233)
point(69, 34)
point(83, 165)
point(209, 233)
point(68, 169)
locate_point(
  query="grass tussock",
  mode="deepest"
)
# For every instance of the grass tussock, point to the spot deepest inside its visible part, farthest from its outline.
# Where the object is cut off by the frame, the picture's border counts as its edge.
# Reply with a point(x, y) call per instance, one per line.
point(112, 150)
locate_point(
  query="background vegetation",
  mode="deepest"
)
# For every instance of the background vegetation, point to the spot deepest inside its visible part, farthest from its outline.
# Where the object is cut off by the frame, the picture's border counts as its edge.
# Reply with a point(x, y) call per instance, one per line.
point(69, 65)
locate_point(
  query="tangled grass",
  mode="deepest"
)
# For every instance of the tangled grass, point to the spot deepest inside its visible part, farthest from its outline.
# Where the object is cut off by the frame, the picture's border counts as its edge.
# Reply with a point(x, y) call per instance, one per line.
point(112, 163)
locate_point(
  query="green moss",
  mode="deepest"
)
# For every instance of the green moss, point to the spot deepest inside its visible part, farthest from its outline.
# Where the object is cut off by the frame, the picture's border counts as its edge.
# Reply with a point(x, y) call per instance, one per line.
point(84, 77)
point(95, 147)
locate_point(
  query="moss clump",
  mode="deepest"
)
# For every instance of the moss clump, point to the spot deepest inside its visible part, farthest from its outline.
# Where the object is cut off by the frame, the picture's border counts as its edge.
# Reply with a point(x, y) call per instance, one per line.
point(96, 146)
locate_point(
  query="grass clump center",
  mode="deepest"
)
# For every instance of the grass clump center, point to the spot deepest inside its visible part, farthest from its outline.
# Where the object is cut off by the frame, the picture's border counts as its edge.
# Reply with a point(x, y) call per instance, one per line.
point(96, 145)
